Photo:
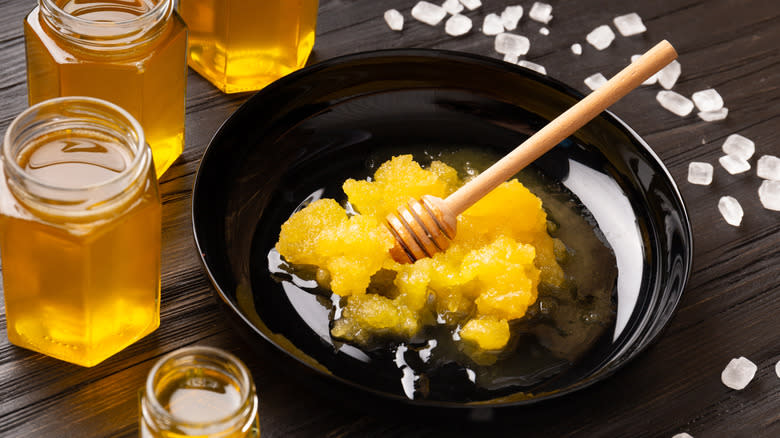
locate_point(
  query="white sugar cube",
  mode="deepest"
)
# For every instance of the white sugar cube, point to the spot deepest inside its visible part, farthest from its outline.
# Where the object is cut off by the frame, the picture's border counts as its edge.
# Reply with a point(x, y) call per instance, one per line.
point(394, 19)
point(668, 75)
point(511, 16)
point(738, 373)
point(509, 43)
point(457, 25)
point(511, 58)
point(714, 116)
point(739, 146)
point(682, 435)
point(707, 100)
point(595, 81)
point(674, 102)
point(601, 37)
point(544, 31)
point(734, 164)
point(492, 25)
point(629, 24)
point(768, 167)
point(533, 66)
point(769, 194)
point(576, 48)
point(652, 79)
point(452, 6)
point(731, 211)
point(428, 13)
point(700, 173)
point(777, 368)
point(471, 4)
point(541, 12)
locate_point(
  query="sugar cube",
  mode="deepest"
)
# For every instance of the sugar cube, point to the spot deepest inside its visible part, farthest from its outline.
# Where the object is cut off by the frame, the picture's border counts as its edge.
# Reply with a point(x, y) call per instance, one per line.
point(533, 66)
point(452, 6)
point(576, 48)
point(428, 13)
point(601, 37)
point(734, 164)
point(509, 43)
point(629, 24)
point(739, 146)
point(457, 25)
point(700, 173)
point(707, 100)
point(731, 211)
point(492, 25)
point(768, 167)
point(674, 102)
point(394, 19)
point(769, 194)
point(668, 75)
point(738, 373)
point(595, 81)
point(471, 4)
point(541, 12)
point(714, 116)
point(511, 16)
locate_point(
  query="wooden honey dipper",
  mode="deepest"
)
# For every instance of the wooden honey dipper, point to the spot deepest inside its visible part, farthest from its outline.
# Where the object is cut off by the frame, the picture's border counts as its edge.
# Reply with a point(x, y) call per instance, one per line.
point(424, 227)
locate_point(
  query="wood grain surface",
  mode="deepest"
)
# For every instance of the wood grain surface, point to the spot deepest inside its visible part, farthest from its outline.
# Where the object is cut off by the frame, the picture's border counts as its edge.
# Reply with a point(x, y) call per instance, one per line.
point(729, 309)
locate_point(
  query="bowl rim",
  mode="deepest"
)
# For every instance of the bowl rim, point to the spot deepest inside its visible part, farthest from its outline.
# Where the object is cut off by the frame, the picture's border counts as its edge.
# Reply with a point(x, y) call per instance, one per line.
point(483, 61)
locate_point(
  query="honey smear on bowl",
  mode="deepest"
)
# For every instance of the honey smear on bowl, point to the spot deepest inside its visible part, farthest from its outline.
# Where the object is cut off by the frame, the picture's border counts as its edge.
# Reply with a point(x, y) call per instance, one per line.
point(479, 289)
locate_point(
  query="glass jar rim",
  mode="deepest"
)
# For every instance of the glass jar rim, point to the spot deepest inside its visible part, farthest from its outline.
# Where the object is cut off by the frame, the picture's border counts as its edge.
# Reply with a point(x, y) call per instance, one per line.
point(244, 380)
point(52, 5)
point(13, 165)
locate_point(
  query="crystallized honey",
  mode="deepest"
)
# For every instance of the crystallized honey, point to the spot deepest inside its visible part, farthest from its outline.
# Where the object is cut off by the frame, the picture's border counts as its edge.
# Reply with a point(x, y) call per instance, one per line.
point(486, 279)
point(80, 241)
point(243, 45)
point(129, 52)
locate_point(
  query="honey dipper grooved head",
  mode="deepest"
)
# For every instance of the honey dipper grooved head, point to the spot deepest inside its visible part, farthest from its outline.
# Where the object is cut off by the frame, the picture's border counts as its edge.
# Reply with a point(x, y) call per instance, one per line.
point(421, 229)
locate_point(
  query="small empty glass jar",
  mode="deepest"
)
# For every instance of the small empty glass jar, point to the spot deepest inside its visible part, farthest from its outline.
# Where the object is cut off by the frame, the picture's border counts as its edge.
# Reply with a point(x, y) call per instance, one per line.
point(199, 391)
point(131, 53)
point(80, 230)
point(243, 45)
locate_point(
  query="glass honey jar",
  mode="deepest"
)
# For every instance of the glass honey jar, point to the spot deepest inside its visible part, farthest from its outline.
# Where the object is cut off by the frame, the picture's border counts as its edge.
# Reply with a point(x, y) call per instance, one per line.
point(199, 391)
point(243, 45)
point(130, 52)
point(80, 230)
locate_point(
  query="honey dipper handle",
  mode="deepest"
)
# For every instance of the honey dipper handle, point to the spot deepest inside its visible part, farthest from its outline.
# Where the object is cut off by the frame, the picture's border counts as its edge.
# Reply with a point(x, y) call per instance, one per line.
point(562, 126)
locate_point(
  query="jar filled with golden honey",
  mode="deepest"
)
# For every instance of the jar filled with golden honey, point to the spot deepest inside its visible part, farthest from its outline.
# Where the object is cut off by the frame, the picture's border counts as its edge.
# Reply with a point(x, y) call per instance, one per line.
point(243, 45)
point(199, 391)
point(130, 52)
point(80, 230)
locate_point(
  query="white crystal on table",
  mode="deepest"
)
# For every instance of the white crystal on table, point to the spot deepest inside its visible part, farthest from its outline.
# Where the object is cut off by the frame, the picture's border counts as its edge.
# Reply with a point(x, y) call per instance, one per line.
point(768, 167)
point(511, 57)
point(492, 25)
point(595, 81)
point(428, 13)
point(452, 6)
point(533, 66)
point(777, 368)
point(668, 75)
point(471, 4)
point(714, 116)
point(739, 146)
point(675, 102)
point(544, 31)
point(700, 173)
point(394, 19)
point(601, 37)
point(457, 25)
point(707, 100)
point(769, 194)
point(734, 164)
point(732, 212)
point(509, 43)
point(738, 373)
point(682, 435)
point(511, 16)
point(541, 12)
point(652, 79)
point(629, 24)
point(576, 48)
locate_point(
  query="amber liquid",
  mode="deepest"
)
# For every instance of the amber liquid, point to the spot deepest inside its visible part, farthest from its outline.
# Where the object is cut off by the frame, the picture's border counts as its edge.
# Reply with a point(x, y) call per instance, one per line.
point(243, 45)
point(204, 397)
point(145, 79)
point(75, 289)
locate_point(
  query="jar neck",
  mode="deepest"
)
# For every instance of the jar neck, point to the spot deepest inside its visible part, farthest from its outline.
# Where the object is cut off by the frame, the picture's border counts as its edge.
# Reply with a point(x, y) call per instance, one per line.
point(196, 363)
point(105, 34)
point(66, 115)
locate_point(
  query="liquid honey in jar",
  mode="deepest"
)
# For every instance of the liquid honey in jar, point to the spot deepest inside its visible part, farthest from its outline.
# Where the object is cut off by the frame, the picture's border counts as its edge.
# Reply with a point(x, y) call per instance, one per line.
point(199, 391)
point(243, 45)
point(80, 230)
point(129, 52)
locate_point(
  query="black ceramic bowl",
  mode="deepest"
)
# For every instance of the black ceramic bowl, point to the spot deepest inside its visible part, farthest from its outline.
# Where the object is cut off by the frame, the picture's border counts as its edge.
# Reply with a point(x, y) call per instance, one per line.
point(307, 132)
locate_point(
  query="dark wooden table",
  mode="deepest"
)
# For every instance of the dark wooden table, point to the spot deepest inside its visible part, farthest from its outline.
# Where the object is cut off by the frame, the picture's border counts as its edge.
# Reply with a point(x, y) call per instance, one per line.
point(730, 307)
